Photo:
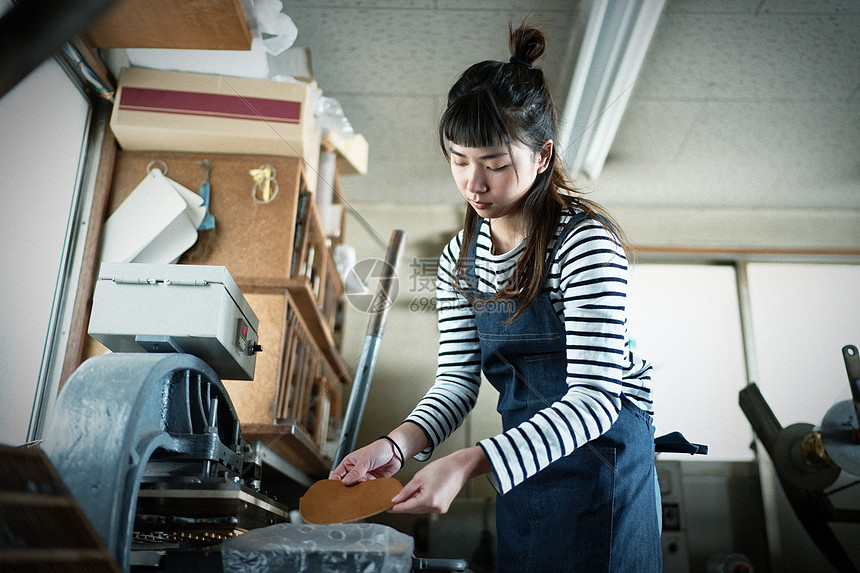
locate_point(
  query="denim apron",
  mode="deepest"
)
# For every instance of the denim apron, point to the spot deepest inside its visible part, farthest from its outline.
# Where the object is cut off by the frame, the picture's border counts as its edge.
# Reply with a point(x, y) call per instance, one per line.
point(593, 510)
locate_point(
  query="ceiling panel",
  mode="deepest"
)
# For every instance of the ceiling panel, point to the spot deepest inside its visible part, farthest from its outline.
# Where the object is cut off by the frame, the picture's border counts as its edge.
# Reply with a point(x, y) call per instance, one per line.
point(731, 56)
point(390, 65)
point(654, 130)
point(374, 50)
point(752, 154)
point(402, 126)
point(764, 103)
point(807, 6)
point(739, 103)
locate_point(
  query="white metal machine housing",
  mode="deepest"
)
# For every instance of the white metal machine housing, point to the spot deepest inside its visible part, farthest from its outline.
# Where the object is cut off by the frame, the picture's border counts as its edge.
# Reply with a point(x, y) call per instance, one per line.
point(192, 309)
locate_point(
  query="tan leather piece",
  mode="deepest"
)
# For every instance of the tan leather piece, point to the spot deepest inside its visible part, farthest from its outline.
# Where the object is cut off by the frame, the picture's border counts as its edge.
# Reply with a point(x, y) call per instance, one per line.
point(329, 501)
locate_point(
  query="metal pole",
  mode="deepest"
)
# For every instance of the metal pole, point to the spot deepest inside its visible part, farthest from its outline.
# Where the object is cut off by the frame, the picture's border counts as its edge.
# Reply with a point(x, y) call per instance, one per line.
point(367, 361)
point(767, 473)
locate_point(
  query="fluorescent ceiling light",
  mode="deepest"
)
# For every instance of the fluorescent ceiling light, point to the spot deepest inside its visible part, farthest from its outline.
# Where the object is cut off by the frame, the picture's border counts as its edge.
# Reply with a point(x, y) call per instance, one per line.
point(614, 37)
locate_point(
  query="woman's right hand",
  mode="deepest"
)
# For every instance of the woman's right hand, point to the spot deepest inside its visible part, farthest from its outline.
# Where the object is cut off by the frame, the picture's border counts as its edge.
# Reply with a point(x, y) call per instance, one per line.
point(375, 460)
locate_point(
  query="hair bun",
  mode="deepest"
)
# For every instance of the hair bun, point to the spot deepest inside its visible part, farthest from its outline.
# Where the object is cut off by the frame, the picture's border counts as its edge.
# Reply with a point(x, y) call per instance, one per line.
point(527, 44)
point(516, 60)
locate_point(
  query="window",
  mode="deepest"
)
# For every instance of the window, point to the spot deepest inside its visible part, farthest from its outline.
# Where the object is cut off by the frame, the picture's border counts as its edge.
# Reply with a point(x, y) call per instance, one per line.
point(803, 314)
point(46, 118)
point(684, 319)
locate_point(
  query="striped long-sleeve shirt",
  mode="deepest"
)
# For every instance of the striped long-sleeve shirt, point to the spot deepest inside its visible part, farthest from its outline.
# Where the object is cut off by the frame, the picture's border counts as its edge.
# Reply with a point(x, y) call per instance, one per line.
point(587, 284)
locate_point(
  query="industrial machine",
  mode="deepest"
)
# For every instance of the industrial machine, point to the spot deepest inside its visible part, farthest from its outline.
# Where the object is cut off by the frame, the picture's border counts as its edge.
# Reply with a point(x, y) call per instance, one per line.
point(150, 447)
point(146, 437)
point(808, 459)
point(148, 442)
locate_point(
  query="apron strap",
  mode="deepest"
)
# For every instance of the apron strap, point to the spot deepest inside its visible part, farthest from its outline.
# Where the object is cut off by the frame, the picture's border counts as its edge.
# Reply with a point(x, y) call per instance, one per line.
point(675, 442)
point(575, 219)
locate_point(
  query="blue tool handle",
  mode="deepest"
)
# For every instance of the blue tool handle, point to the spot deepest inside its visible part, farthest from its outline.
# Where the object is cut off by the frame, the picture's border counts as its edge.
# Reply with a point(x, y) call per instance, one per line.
point(204, 192)
point(208, 221)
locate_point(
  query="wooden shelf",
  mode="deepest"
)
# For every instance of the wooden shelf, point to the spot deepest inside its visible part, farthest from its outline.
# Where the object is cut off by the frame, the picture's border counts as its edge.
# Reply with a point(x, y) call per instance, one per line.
point(306, 300)
point(290, 366)
point(198, 25)
point(255, 242)
point(292, 444)
point(315, 283)
point(50, 529)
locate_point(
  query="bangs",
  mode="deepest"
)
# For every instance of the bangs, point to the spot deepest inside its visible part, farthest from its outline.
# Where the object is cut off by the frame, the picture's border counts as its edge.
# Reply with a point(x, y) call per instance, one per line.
point(473, 120)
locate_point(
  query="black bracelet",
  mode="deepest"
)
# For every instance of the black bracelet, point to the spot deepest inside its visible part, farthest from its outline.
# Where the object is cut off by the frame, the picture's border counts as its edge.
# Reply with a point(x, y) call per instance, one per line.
point(397, 450)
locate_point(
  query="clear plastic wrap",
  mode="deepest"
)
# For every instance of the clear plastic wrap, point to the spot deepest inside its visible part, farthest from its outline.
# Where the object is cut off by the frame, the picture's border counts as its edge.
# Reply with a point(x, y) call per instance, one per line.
point(331, 117)
point(341, 548)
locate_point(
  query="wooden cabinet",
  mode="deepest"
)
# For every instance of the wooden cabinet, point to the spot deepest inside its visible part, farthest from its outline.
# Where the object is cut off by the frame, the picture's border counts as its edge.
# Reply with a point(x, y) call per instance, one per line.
point(278, 255)
point(293, 404)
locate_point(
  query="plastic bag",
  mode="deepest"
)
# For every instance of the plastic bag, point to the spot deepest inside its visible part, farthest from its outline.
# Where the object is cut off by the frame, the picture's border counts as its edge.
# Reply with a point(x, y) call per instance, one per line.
point(341, 548)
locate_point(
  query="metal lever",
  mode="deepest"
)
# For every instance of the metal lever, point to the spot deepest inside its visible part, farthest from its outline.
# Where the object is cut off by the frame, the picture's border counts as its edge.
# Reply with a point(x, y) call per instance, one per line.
point(852, 367)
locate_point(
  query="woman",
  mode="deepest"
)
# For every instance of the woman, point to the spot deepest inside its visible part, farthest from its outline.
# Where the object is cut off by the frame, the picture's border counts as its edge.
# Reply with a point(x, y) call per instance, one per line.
point(532, 293)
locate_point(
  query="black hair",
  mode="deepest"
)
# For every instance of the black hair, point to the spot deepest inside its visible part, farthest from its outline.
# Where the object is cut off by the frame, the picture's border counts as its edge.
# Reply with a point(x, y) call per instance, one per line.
point(498, 103)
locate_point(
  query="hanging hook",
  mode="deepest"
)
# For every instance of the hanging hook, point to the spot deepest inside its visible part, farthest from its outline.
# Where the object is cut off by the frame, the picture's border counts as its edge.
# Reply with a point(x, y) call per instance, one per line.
point(265, 185)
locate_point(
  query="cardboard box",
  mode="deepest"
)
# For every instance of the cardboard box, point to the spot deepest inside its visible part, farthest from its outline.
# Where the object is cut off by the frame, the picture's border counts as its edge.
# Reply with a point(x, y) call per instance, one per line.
point(180, 111)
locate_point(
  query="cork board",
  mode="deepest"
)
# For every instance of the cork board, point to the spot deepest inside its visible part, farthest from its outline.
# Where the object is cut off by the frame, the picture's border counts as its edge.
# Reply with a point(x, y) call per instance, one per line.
point(195, 24)
point(254, 241)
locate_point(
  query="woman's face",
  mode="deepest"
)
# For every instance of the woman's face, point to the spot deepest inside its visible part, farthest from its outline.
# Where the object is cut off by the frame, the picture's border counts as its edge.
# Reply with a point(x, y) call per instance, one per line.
point(492, 179)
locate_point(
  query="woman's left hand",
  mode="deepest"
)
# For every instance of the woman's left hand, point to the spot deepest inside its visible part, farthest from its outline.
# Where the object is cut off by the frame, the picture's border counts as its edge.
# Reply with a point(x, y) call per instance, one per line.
point(435, 486)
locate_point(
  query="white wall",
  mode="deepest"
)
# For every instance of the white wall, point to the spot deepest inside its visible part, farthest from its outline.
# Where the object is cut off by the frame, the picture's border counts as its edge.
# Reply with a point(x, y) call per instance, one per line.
point(43, 124)
point(686, 320)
